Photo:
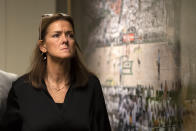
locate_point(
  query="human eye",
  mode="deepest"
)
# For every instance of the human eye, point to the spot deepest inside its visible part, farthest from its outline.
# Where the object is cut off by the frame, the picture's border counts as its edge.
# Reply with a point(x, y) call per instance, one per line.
point(70, 35)
point(56, 35)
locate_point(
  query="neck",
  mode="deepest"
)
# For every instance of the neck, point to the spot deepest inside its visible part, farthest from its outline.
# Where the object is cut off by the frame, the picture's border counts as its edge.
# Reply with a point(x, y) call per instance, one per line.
point(57, 70)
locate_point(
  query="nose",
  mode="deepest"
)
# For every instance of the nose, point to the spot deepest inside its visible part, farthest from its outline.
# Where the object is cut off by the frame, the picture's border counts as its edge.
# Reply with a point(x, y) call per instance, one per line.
point(64, 38)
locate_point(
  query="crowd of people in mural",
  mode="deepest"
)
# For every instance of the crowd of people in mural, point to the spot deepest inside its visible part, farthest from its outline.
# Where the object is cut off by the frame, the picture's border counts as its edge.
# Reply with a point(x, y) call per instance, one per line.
point(144, 108)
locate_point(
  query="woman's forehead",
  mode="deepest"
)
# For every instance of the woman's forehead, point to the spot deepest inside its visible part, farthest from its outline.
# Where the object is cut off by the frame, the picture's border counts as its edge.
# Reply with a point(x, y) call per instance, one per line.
point(60, 25)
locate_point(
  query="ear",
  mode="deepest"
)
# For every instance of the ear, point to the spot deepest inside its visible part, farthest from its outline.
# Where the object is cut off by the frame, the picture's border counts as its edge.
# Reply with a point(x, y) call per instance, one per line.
point(42, 46)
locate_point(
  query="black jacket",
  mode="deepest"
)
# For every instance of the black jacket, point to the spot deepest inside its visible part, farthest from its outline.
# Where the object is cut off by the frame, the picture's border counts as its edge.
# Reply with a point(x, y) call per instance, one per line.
point(32, 109)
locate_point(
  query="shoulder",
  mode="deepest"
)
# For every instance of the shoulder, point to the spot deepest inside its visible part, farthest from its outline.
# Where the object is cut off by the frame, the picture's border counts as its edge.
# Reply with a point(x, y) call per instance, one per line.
point(94, 83)
point(20, 82)
point(21, 79)
point(93, 79)
point(16, 88)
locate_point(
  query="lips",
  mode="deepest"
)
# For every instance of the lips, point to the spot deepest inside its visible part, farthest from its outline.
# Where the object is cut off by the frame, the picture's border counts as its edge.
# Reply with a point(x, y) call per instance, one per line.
point(65, 49)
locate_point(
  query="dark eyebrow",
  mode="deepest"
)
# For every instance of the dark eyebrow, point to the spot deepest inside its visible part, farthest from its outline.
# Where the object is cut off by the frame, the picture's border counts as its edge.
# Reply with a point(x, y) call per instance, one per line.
point(61, 32)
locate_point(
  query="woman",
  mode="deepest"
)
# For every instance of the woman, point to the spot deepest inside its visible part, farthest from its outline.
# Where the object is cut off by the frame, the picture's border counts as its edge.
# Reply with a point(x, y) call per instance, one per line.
point(59, 93)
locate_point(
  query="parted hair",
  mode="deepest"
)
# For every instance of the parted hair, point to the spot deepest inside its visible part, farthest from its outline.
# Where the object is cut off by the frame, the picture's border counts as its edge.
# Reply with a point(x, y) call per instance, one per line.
point(78, 71)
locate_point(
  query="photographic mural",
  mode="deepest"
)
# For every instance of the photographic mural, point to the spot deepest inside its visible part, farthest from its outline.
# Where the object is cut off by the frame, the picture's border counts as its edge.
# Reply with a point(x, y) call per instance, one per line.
point(132, 48)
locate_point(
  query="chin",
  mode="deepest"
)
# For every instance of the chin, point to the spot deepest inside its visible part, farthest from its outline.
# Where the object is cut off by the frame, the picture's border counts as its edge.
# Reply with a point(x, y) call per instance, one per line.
point(62, 56)
point(66, 56)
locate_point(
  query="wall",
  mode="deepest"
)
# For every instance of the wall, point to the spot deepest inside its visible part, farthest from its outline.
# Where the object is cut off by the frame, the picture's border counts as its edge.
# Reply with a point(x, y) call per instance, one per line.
point(19, 31)
point(188, 62)
point(188, 46)
point(171, 22)
point(133, 48)
point(2, 34)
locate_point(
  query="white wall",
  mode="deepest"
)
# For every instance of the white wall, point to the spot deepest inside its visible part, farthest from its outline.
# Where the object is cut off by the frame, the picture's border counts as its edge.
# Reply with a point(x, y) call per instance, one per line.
point(19, 23)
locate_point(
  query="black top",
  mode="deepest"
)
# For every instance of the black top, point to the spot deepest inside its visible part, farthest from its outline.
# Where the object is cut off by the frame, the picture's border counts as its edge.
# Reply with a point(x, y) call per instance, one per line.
point(60, 105)
point(32, 109)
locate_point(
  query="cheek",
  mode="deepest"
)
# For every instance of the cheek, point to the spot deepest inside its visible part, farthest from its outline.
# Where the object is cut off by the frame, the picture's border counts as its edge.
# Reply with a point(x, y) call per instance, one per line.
point(51, 45)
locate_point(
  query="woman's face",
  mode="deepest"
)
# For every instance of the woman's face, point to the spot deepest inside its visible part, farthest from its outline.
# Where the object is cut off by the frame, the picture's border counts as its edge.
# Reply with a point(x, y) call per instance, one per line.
point(59, 40)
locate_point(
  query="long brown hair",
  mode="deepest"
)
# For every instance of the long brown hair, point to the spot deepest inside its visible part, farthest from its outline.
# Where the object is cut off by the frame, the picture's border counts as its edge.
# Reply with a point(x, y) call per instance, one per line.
point(78, 72)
